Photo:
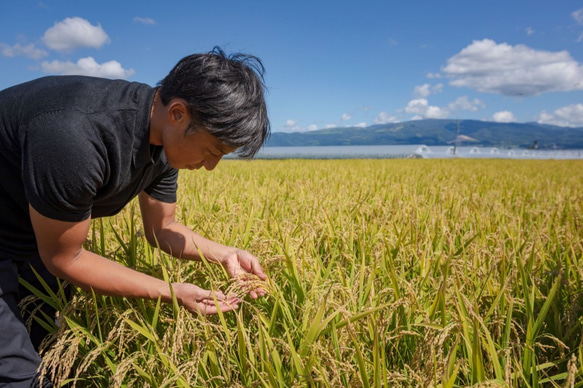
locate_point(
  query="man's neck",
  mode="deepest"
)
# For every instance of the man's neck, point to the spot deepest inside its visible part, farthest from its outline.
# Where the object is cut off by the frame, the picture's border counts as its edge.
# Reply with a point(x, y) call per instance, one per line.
point(156, 119)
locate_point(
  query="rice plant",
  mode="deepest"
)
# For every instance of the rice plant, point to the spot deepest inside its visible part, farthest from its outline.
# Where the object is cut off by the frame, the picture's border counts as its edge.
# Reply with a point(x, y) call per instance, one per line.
point(382, 273)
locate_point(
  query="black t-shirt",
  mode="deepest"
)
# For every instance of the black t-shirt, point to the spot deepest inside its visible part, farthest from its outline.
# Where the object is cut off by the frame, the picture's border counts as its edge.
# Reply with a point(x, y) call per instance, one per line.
point(74, 147)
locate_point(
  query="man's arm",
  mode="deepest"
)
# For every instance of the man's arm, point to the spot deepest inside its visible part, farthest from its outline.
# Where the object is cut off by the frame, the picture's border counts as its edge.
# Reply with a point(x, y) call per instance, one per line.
point(161, 229)
point(60, 246)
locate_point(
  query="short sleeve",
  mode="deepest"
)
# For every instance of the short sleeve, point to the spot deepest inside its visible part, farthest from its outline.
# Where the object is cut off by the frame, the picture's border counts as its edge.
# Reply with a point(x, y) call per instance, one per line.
point(164, 187)
point(61, 166)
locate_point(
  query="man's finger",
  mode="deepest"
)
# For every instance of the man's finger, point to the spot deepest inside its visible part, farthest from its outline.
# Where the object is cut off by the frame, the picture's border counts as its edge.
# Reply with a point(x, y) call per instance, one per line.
point(231, 300)
point(211, 309)
point(217, 294)
point(260, 291)
point(257, 270)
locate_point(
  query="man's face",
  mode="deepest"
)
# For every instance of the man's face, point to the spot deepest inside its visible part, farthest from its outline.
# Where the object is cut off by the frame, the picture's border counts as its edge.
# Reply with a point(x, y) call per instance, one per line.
point(194, 150)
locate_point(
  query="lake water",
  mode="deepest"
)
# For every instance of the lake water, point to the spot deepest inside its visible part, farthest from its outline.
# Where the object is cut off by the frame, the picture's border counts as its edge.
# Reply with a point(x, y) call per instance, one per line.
point(411, 151)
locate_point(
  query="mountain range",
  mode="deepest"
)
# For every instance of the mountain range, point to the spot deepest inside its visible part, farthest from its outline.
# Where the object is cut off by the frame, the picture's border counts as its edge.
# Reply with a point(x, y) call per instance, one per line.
point(433, 132)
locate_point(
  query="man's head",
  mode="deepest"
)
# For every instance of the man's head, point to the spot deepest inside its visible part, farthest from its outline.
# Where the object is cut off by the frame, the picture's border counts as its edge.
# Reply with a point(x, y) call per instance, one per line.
point(225, 95)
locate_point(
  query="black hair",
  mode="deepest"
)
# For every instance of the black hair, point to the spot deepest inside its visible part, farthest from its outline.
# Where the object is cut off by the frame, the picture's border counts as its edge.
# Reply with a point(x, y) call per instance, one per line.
point(225, 95)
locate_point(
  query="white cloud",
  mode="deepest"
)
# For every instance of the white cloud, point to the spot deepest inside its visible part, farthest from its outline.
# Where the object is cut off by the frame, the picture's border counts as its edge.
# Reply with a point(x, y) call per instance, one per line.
point(504, 117)
point(513, 70)
point(360, 125)
point(29, 51)
point(345, 117)
point(434, 75)
point(567, 116)
point(87, 66)
point(529, 31)
point(144, 20)
point(578, 16)
point(464, 103)
point(435, 112)
point(290, 126)
point(73, 33)
point(426, 90)
point(417, 106)
point(422, 91)
point(329, 126)
point(421, 108)
point(312, 127)
point(384, 118)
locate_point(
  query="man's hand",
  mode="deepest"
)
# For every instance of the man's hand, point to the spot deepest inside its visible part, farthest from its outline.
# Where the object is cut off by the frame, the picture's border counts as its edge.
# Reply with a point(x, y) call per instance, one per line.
point(199, 300)
point(240, 263)
point(161, 229)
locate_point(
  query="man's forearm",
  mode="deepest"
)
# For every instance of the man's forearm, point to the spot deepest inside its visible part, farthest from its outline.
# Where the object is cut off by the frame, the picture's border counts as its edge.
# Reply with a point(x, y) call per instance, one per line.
point(91, 271)
point(179, 241)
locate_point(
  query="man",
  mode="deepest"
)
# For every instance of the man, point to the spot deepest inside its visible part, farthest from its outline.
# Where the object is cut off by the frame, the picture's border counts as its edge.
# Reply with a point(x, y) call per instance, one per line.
point(76, 148)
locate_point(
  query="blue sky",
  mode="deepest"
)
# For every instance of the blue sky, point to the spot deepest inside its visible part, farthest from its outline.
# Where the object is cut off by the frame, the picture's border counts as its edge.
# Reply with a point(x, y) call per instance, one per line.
point(328, 63)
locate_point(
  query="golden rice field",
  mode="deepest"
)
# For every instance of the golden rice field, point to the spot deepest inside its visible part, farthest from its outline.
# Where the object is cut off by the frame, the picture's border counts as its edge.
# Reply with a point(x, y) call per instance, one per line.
point(382, 273)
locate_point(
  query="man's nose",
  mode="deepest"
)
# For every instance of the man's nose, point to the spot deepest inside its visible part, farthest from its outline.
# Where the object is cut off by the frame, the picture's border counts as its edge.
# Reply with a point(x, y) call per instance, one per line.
point(211, 162)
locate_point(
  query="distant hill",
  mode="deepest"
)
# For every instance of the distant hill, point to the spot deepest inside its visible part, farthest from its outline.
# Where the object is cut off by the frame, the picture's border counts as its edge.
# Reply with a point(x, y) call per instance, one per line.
point(439, 132)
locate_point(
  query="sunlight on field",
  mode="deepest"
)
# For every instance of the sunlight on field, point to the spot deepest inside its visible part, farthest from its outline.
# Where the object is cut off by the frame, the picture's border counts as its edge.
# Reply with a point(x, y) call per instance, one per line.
point(382, 273)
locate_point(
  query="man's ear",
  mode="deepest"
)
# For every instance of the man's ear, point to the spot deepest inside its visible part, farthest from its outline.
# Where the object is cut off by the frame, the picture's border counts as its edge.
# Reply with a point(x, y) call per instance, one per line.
point(178, 112)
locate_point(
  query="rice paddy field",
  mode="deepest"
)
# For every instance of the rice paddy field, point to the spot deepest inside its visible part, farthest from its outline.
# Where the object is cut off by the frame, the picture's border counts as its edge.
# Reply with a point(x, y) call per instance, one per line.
point(382, 273)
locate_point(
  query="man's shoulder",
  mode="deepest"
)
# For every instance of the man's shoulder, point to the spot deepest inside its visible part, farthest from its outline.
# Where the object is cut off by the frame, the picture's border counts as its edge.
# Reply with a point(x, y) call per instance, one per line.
point(57, 82)
point(64, 85)
point(82, 93)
